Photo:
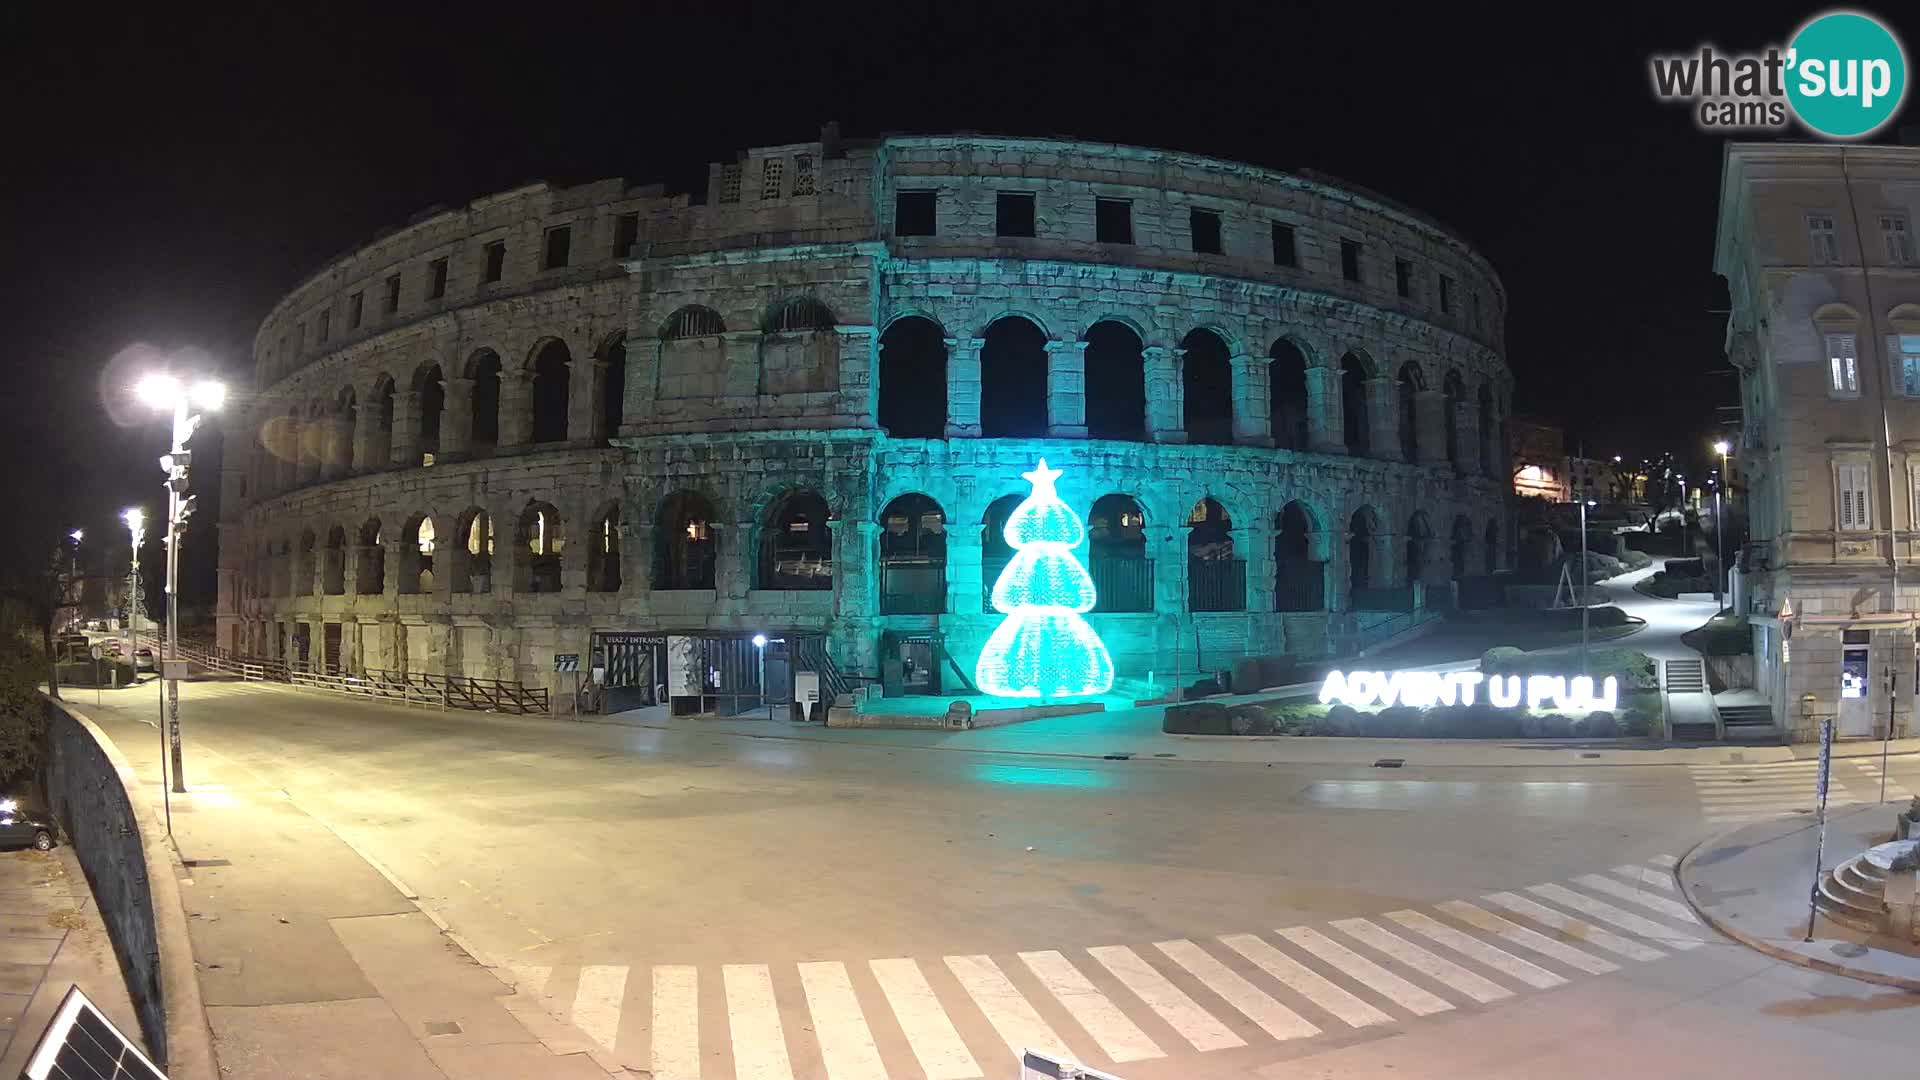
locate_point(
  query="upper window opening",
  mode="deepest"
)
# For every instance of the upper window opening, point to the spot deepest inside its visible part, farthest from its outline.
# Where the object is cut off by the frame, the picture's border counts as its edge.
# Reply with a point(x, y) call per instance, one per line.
point(496, 266)
point(1113, 221)
point(1350, 259)
point(437, 279)
point(913, 213)
point(1205, 228)
point(558, 249)
point(1013, 213)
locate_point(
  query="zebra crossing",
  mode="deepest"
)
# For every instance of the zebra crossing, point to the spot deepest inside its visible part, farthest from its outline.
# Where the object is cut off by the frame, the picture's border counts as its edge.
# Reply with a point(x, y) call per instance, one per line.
point(967, 1016)
point(1737, 794)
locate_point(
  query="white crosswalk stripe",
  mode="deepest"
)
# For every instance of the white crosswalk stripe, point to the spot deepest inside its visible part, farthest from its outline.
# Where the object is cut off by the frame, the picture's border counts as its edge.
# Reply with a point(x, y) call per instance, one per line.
point(1305, 981)
point(1665, 862)
point(1422, 961)
point(1182, 1014)
point(1733, 794)
point(1118, 1036)
point(1114, 1001)
point(1567, 926)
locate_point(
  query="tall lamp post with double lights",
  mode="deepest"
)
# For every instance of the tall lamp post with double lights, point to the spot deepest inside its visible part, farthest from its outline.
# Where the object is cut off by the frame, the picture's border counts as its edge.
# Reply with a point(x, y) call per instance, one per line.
point(136, 520)
point(1720, 523)
point(162, 391)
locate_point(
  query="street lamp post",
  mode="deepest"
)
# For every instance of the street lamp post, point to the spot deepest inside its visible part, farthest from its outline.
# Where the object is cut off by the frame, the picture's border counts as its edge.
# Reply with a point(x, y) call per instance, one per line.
point(136, 520)
point(166, 392)
point(1720, 524)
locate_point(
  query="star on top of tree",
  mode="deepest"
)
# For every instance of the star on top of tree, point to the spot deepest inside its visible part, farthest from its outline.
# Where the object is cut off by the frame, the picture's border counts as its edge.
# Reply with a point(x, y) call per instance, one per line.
point(1041, 477)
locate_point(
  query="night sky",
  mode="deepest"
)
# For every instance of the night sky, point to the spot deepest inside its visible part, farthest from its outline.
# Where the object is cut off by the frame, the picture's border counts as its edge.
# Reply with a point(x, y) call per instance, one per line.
point(166, 182)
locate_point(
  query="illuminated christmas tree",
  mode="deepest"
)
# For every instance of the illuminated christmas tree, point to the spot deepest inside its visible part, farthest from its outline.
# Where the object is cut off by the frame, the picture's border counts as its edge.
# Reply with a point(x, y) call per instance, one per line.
point(1043, 648)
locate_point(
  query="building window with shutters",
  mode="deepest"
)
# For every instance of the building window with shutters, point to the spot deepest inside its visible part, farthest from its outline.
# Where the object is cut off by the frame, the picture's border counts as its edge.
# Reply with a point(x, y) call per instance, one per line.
point(803, 174)
point(1855, 498)
point(1899, 237)
point(1907, 348)
point(772, 178)
point(1826, 243)
point(1843, 366)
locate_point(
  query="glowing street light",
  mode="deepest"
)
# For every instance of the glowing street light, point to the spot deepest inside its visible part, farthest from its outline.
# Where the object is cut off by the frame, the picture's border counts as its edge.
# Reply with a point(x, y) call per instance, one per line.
point(160, 390)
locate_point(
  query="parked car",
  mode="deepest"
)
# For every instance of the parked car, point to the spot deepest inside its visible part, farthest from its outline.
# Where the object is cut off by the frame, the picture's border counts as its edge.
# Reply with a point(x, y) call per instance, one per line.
point(143, 659)
point(22, 828)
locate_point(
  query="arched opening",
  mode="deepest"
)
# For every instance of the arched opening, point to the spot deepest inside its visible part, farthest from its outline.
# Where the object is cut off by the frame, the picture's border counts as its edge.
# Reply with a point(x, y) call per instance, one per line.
point(1299, 580)
point(1410, 387)
point(304, 570)
point(1216, 580)
point(613, 388)
point(433, 404)
point(1456, 395)
point(692, 321)
point(283, 570)
point(1419, 541)
point(1492, 461)
point(337, 447)
point(913, 379)
point(1460, 547)
point(796, 544)
point(1287, 395)
point(1353, 404)
point(913, 557)
point(380, 440)
point(1116, 382)
point(1117, 555)
point(472, 551)
point(1206, 377)
point(551, 368)
point(799, 315)
point(995, 552)
point(370, 573)
point(603, 551)
point(484, 369)
point(416, 555)
point(333, 570)
point(1362, 531)
point(683, 544)
point(536, 563)
point(1492, 542)
point(1013, 380)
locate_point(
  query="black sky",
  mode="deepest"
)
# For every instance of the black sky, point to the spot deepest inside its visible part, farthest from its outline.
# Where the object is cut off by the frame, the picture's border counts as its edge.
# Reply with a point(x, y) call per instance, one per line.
point(167, 181)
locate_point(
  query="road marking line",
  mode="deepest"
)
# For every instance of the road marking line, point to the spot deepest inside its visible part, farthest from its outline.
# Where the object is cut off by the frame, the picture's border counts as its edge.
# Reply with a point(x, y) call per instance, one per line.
point(596, 1002)
point(1009, 1013)
point(753, 1018)
point(676, 1023)
point(1305, 981)
point(1667, 862)
point(528, 979)
point(1195, 1024)
point(1673, 909)
point(1617, 916)
point(1254, 1003)
point(1640, 875)
point(1578, 929)
point(1467, 945)
point(1422, 961)
point(1482, 919)
point(1364, 971)
point(1117, 1035)
point(942, 1054)
point(846, 1044)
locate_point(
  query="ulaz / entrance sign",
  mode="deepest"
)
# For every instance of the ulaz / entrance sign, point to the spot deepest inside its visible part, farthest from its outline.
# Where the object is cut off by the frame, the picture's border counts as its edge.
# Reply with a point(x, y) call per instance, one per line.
point(1422, 689)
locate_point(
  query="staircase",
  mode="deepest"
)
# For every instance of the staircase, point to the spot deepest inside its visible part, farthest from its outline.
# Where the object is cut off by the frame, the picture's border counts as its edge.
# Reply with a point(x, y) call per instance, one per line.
point(1686, 676)
point(1689, 705)
point(1854, 894)
point(1749, 723)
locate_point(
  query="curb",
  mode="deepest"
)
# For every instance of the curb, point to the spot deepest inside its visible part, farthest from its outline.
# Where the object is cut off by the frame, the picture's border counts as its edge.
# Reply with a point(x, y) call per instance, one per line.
point(189, 1036)
point(1767, 948)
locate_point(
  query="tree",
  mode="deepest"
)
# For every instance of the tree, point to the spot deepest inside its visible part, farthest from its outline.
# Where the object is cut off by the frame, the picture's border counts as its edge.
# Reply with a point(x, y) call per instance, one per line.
point(1043, 648)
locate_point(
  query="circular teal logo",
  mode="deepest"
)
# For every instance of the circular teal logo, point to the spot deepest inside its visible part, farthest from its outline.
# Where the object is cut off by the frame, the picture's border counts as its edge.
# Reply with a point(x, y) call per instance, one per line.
point(1847, 74)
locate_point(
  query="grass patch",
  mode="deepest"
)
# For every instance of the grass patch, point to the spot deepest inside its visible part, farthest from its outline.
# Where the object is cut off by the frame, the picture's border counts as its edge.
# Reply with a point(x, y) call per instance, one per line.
point(1723, 635)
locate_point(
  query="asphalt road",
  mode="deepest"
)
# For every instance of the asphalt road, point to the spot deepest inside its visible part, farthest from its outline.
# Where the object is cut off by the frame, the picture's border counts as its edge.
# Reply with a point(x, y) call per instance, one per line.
point(637, 877)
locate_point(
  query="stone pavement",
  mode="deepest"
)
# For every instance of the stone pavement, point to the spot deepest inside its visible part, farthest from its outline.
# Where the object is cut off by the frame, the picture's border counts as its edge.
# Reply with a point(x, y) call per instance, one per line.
point(313, 963)
point(51, 938)
point(1753, 884)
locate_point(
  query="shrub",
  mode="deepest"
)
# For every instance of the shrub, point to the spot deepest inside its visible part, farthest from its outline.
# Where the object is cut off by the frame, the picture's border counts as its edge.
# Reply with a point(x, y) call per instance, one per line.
point(1685, 568)
point(1500, 658)
point(1635, 559)
point(1250, 720)
point(1341, 720)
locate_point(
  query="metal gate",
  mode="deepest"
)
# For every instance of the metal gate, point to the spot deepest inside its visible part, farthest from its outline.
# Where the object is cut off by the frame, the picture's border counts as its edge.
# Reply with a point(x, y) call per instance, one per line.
point(330, 647)
point(636, 669)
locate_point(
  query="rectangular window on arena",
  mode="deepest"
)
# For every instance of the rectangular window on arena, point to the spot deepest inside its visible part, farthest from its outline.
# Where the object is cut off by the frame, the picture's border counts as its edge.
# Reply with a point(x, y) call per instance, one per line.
point(1113, 221)
point(730, 183)
point(773, 178)
point(1350, 259)
point(1446, 295)
point(1204, 227)
point(496, 253)
point(1283, 249)
point(913, 213)
point(1013, 213)
point(393, 294)
point(626, 233)
point(437, 279)
point(559, 247)
point(325, 326)
point(1403, 278)
point(355, 304)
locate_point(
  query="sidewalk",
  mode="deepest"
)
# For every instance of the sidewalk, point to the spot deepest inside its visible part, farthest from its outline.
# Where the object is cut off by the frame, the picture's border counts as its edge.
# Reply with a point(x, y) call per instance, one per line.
point(1753, 885)
point(313, 963)
point(51, 938)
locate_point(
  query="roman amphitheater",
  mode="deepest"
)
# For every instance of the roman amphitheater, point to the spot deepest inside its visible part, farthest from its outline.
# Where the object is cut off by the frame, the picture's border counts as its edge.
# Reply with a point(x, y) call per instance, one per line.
point(646, 428)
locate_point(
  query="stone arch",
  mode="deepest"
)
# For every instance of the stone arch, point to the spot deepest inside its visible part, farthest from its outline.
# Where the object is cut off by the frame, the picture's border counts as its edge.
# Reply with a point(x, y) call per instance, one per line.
point(1412, 381)
point(1355, 370)
point(470, 552)
point(370, 572)
point(692, 320)
point(539, 541)
point(796, 542)
point(305, 568)
point(1460, 546)
point(1287, 408)
point(1013, 379)
point(378, 449)
point(1216, 576)
point(1456, 395)
point(798, 315)
point(431, 387)
point(604, 533)
point(1300, 568)
point(1117, 554)
point(551, 364)
point(1492, 459)
point(913, 556)
point(1116, 381)
point(418, 545)
point(1491, 538)
point(685, 550)
point(912, 399)
point(1363, 533)
point(1206, 377)
point(1419, 544)
point(333, 567)
point(613, 386)
point(483, 432)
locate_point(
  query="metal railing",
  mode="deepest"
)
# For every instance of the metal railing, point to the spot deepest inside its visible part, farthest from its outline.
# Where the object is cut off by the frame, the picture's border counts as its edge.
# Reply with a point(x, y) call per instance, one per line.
point(1300, 585)
point(413, 688)
point(913, 588)
point(1216, 584)
point(1121, 582)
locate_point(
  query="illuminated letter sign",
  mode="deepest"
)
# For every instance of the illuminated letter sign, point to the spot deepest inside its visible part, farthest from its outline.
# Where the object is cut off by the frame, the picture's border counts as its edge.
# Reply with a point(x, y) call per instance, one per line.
point(1423, 689)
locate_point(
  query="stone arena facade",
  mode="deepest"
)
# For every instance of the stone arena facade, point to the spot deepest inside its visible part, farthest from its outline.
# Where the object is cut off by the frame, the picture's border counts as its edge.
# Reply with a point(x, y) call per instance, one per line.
point(589, 419)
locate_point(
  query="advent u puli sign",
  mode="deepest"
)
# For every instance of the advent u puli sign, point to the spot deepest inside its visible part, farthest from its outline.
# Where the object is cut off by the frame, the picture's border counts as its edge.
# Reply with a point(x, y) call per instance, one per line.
point(1423, 689)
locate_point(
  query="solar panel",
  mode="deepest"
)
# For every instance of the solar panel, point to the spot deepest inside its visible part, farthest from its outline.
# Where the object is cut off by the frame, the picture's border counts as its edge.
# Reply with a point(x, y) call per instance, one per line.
point(82, 1044)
